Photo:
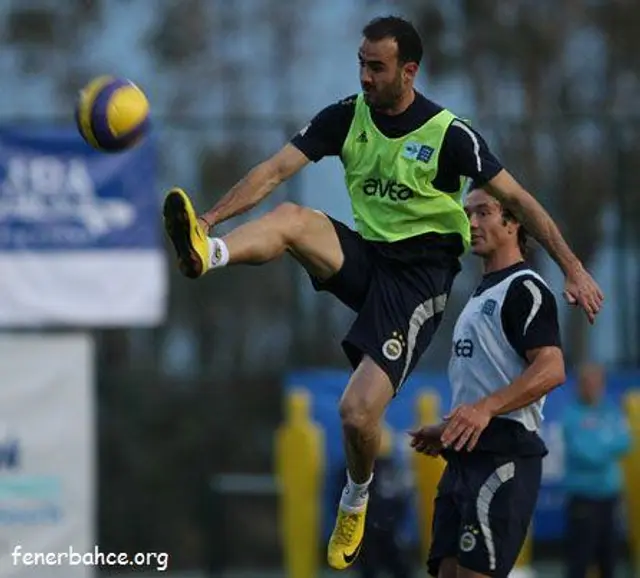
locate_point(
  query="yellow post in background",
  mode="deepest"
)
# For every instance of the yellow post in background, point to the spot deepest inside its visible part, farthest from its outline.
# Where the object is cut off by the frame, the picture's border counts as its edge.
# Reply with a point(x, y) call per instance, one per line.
point(631, 468)
point(522, 568)
point(386, 441)
point(300, 470)
point(427, 470)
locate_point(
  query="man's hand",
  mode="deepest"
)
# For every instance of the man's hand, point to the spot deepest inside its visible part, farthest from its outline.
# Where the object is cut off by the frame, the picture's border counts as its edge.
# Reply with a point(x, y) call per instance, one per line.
point(581, 289)
point(464, 426)
point(426, 440)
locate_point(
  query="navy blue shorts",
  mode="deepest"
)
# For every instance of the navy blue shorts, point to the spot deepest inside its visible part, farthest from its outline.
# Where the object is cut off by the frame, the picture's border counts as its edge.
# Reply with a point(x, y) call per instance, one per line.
point(399, 291)
point(483, 510)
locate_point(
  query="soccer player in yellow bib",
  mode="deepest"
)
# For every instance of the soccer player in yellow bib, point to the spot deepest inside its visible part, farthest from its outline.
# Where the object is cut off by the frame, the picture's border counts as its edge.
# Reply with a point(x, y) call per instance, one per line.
point(406, 161)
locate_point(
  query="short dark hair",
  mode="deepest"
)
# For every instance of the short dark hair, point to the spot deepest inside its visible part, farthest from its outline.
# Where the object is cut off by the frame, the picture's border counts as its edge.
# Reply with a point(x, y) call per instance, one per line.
point(523, 236)
point(402, 31)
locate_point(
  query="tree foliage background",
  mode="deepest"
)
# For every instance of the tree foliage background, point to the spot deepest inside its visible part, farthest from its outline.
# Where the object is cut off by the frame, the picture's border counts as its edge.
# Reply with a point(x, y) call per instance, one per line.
point(553, 87)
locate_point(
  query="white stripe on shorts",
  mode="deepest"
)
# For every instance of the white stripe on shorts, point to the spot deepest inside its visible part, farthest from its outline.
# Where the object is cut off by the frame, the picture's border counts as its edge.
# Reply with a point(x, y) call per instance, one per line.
point(488, 490)
point(421, 314)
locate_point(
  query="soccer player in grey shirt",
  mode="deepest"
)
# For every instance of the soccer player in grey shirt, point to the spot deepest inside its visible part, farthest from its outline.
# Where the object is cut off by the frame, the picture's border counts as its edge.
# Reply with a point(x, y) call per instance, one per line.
point(506, 356)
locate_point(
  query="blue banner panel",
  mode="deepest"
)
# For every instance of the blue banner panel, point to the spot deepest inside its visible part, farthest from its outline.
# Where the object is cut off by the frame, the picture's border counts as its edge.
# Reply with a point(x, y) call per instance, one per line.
point(80, 235)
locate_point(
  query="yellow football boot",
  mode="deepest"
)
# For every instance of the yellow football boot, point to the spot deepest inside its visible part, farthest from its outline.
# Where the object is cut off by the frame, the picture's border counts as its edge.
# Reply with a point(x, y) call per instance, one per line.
point(187, 235)
point(346, 540)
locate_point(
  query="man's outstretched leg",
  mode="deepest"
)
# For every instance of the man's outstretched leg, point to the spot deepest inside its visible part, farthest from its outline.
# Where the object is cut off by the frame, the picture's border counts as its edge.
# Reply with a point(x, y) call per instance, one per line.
point(361, 409)
point(308, 235)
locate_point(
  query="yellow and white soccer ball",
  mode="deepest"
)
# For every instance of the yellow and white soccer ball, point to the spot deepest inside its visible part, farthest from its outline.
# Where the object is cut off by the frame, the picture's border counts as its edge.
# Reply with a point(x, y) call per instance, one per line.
point(112, 114)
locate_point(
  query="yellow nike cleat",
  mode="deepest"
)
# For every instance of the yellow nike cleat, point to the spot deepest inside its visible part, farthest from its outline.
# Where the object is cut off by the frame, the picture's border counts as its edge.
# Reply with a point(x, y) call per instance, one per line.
point(346, 540)
point(187, 235)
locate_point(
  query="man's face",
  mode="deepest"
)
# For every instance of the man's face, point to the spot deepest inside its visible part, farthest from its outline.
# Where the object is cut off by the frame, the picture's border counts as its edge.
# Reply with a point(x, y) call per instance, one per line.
point(489, 231)
point(382, 77)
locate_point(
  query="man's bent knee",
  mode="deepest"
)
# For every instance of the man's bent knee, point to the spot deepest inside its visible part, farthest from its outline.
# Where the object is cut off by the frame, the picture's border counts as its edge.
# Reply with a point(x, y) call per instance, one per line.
point(357, 417)
point(366, 397)
point(310, 238)
point(298, 221)
point(292, 217)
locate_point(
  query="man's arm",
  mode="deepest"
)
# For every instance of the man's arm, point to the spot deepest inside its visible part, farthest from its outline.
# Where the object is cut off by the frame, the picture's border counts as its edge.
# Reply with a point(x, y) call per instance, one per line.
point(529, 318)
point(466, 153)
point(465, 424)
point(534, 218)
point(580, 287)
point(322, 137)
point(545, 372)
point(257, 185)
point(620, 444)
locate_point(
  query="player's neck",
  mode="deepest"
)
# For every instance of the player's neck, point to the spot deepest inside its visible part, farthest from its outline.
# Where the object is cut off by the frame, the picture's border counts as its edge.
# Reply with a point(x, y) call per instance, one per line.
point(501, 260)
point(405, 101)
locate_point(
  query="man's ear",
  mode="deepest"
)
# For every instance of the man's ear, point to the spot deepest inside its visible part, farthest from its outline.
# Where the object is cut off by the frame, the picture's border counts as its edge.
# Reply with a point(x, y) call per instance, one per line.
point(510, 224)
point(410, 70)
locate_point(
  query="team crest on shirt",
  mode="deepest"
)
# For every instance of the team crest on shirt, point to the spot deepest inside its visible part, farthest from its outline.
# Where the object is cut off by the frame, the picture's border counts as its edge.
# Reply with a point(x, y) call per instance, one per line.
point(414, 151)
point(468, 539)
point(489, 306)
point(392, 348)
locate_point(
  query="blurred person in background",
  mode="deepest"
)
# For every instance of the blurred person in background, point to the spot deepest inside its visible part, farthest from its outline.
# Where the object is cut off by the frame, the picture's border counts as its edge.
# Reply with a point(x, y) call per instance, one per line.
point(384, 550)
point(596, 438)
point(406, 161)
point(506, 357)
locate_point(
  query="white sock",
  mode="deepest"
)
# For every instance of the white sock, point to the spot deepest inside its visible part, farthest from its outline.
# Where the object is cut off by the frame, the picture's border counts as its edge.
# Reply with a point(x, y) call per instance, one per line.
point(355, 496)
point(218, 252)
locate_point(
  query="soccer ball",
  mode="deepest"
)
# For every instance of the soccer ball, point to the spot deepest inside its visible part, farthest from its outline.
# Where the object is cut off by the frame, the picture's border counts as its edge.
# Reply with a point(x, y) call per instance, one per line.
point(112, 114)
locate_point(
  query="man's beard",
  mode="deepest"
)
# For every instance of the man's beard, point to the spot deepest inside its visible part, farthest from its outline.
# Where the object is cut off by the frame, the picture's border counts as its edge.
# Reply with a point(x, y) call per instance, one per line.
point(385, 99)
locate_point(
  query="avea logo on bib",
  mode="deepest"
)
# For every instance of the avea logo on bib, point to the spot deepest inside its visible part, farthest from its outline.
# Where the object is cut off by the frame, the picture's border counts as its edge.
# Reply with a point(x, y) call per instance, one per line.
point(463, 348)
point(390, 189)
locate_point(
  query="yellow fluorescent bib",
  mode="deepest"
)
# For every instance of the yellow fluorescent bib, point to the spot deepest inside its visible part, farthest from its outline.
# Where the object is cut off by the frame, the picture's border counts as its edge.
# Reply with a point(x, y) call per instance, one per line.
point(390, 181)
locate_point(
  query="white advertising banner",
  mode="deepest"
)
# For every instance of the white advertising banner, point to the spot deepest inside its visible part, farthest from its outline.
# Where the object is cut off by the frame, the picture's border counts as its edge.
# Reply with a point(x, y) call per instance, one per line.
point(47, 456)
